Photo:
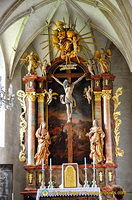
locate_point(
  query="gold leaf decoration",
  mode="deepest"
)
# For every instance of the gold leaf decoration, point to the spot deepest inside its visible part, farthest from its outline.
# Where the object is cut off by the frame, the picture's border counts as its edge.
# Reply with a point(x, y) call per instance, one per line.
point(116, 114)
point(23, 124)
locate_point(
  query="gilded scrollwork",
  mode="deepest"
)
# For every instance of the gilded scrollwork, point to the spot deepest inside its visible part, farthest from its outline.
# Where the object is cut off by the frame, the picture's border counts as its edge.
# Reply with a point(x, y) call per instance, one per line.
point(23, 124)
point(118, 151)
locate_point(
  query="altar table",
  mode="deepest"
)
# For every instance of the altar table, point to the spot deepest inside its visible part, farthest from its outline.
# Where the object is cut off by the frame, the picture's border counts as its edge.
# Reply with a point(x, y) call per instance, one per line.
point(69, 192)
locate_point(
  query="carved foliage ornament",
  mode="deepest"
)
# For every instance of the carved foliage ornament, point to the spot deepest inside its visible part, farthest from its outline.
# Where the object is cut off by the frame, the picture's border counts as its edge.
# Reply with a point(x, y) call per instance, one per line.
point(118, 151)
point(23, 124)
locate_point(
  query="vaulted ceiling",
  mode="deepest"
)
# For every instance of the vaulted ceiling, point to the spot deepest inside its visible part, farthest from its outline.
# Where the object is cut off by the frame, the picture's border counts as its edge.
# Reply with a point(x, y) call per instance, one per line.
point(23, 23)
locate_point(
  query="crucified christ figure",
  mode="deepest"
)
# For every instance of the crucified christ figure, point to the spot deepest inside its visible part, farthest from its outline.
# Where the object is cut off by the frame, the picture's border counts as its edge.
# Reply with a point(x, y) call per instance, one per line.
point(69, 100)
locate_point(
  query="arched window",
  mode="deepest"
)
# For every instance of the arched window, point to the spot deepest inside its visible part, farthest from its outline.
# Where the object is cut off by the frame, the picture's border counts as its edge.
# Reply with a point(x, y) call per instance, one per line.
point(2, 111)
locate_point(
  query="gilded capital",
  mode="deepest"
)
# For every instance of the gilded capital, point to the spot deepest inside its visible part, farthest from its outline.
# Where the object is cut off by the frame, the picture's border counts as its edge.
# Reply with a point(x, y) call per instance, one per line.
point(31, 96)
point(106, 94)
point(40, 97)
point(97, 96)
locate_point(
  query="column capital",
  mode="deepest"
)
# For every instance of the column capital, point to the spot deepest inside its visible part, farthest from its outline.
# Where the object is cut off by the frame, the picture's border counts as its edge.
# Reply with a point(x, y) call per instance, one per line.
point(40, 97)
point(31, 96)
point(106, 94)
point(97, 95)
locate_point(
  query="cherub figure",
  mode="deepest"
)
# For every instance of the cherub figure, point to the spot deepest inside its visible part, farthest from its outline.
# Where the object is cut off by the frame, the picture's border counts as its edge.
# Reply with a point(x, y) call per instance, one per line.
point(51, 95)
point(69, 101)
point(87, 94)
point(33, 60)
point(44, 66)
point(90, 66)
point(100, 58)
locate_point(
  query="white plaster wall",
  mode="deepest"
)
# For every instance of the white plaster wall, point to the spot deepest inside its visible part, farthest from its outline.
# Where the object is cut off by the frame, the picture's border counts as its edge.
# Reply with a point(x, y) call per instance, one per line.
point(9, 154)
point(124, 79)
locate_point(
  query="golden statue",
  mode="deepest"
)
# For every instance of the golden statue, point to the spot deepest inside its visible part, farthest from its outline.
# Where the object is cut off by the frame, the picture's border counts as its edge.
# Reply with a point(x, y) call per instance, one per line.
point(68, 41)
point(33, 60)
point(100, 58)
point(43, 144)
point(96, 136)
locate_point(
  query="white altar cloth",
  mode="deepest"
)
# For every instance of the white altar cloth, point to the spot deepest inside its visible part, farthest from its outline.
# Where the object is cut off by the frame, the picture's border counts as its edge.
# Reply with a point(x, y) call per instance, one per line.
point(56, 192)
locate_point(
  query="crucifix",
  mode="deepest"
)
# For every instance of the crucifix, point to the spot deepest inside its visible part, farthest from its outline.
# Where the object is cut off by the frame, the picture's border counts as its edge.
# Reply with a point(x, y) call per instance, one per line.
point(70, 102)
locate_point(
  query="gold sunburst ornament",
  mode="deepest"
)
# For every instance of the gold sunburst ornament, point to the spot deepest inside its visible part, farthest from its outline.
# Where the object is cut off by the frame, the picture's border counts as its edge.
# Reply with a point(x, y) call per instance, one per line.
point(67, 41)
point(118, 151)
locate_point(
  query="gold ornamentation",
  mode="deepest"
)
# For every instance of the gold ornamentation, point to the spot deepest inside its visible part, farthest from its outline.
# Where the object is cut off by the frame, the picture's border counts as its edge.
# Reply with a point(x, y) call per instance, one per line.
point(40, 178)
point(33, 61)
point(67, 67)
point(40, 97)
point(118, 151)
point(23, 124)
point(103, 59)
point(66, 40)
point(109, 161)
point(70, 177)
point(43, 144)
point(40, 84)
point(106, 94)
point(31, 96)
point(97, 83)
point(100, 176)
point(106, 81)
point(30, 178)
point(96, 137)
point(110, 176)
point(97, 96)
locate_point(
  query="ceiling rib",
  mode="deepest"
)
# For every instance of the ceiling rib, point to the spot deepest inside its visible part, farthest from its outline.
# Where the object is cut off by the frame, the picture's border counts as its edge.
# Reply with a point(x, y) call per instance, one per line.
point(23, 14)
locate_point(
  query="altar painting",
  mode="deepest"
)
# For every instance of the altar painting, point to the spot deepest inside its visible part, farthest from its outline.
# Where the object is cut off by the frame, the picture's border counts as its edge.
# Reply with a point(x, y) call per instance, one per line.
point(81, 123)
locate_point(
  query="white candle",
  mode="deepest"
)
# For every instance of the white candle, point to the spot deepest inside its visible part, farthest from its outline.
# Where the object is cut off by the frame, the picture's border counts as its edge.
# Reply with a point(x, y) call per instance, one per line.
point(12, 196)
point(85, 162)
point(50, 163)
point(93, 160)
point(42, 164)
point(0, 82)
point(10, 89)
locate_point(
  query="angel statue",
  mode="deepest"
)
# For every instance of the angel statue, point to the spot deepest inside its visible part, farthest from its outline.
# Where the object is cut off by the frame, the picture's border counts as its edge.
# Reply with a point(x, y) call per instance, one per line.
point(33, 60)
point(69, 101)
point(90, 66)
point(87, 94)
point(51, 95)
point(100, 57)
point(43, 144)
point(96, 136)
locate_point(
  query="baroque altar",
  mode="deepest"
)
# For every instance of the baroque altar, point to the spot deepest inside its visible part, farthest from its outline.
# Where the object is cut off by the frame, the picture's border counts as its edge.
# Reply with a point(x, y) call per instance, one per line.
point(67, 115)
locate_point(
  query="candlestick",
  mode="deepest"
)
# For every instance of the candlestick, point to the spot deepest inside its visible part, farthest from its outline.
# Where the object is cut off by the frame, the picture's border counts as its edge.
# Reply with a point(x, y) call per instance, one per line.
point(85, 162)
point(42, 183)
point(12, 196)
point(94, 173)
point(50, 182)
point(50, 163)
point(42, 164)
